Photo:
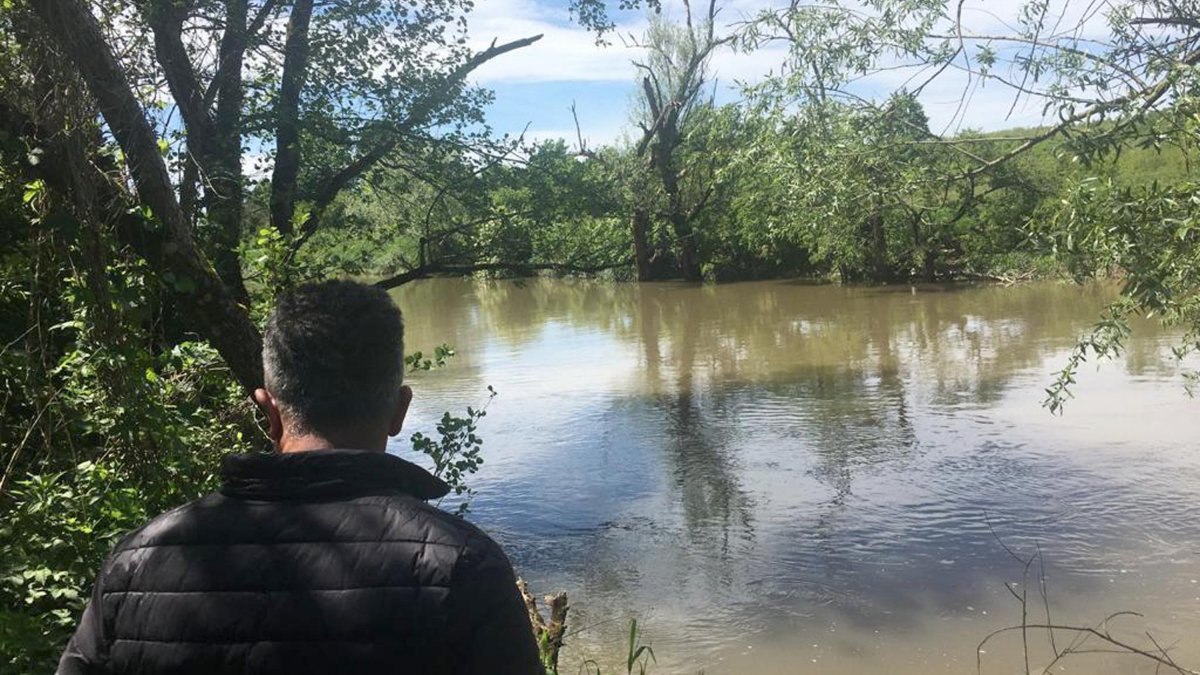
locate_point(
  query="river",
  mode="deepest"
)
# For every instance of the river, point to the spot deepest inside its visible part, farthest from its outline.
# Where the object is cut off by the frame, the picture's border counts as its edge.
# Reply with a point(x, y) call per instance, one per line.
point(779, 477)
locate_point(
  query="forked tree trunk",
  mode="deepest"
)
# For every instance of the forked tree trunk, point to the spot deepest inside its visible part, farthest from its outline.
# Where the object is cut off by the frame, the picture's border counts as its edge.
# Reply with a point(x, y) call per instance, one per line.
point(167, 244)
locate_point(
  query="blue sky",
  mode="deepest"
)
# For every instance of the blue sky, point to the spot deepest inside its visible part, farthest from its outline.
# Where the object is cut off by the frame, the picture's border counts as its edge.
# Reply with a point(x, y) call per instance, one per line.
point(537, 85)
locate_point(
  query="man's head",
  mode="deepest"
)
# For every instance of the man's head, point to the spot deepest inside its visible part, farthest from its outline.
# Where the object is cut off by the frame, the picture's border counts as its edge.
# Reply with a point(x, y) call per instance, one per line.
point(333, 362)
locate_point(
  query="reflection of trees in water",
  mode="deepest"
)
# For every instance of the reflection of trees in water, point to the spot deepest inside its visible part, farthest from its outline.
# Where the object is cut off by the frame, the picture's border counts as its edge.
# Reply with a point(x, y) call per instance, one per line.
point(855, 422)
point(859, 359)
point(698, 450)
point(649, 309)
point(701, 462)
point(966, 342)
point(470, 314)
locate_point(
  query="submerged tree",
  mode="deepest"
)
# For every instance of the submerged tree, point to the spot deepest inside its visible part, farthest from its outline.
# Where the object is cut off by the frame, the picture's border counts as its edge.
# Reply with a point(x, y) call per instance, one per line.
point(674, 75)
point(666, 187)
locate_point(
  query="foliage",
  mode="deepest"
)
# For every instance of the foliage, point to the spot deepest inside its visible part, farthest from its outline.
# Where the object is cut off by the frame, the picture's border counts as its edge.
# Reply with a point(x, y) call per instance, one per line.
point(99, 435)
point(456, 455)
point(1123, 86)
point(53, 541)
point(1148, 233)
point(1105, 342)
point(417, 361)
point(596, 15)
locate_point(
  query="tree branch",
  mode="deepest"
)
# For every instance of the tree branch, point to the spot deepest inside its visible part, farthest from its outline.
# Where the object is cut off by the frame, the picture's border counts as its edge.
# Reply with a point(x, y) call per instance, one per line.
point(1148, 95)
point(438, 269)
point(166, 22)
point(1184, 21)
point(207, 303)
point(287, 132)
point(418, 115)
point(228, 66)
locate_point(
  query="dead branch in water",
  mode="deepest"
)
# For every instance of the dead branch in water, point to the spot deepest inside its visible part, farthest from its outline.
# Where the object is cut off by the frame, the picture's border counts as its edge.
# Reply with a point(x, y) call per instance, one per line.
point(1085, 639)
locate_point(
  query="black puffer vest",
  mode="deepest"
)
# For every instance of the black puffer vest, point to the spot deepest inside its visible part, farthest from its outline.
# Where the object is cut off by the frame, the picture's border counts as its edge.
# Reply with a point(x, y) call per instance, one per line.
point(311, 562)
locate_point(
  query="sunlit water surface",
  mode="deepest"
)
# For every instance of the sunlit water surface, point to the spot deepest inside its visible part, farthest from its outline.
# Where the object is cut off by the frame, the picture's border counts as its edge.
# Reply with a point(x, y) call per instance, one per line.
point(785, 478)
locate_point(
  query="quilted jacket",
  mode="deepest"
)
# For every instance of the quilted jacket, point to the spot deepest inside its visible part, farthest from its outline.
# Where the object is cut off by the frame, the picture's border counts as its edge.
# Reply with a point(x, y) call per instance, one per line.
point(311, 562)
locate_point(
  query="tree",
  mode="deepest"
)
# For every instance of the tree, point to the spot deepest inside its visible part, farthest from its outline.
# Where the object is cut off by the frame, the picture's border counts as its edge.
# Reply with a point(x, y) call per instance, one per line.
point(672, 79)
point(358, 83)
point(674, 76)
point(517, 211)
point(870, 191)
point(135, 260)
point(1117, 79)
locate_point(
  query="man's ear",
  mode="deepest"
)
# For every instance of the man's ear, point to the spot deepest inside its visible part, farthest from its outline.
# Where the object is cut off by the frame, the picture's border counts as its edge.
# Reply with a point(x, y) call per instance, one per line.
point(267, 404)
point(397, 421)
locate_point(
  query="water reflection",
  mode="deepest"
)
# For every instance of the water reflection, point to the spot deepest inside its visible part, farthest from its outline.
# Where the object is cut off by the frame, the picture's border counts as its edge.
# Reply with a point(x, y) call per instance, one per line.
point(758, 331)
point(786, 465)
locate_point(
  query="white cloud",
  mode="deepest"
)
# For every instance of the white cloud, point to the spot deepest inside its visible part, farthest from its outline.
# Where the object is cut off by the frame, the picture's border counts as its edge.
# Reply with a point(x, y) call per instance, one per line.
point(569, 53)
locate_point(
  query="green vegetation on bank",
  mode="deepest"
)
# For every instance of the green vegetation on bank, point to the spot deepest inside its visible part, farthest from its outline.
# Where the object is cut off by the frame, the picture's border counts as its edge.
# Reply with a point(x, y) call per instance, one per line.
point(833, 192)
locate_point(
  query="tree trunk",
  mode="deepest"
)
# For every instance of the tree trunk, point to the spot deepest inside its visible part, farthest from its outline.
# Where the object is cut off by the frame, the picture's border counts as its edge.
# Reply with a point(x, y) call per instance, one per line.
point(640, 223)
point(661, 157)
point(167, 245)
point(689, 257)
point(225, 194)
point(287, 133)
point(877, 253)
point(926, 249)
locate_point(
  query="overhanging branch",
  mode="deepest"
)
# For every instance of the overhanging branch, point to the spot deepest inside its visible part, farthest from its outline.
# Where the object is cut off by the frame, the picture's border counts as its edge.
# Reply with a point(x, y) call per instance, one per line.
point(418, 115)
point(437, 269)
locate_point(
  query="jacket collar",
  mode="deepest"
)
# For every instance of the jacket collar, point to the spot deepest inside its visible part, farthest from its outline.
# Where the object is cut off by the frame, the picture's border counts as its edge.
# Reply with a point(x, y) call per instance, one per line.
point(325, 474)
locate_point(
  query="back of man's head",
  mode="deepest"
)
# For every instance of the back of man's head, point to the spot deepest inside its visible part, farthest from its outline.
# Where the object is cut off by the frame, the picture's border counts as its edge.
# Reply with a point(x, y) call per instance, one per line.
point(333, 356)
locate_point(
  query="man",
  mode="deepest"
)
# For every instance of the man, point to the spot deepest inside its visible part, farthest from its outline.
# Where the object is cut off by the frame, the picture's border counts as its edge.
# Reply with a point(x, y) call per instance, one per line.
point(322, 557)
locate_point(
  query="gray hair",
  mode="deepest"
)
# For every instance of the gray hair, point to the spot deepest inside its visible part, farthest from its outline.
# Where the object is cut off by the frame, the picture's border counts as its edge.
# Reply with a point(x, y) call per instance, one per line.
point(333, 355)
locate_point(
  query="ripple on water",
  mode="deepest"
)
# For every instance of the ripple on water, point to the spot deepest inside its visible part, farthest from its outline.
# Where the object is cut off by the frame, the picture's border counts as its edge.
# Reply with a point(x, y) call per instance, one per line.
point(741, 464)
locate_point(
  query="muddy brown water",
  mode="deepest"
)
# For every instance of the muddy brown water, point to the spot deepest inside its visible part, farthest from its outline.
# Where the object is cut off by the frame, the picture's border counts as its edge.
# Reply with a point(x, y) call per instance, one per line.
point(779, 477)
